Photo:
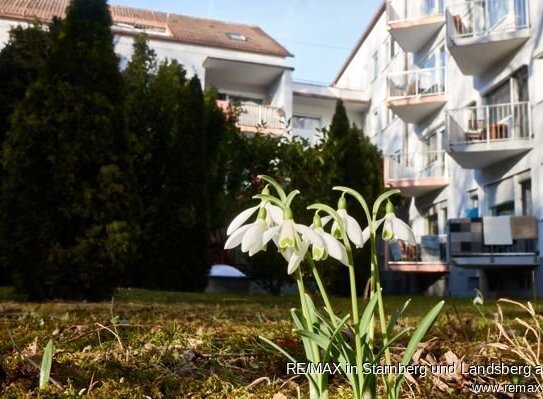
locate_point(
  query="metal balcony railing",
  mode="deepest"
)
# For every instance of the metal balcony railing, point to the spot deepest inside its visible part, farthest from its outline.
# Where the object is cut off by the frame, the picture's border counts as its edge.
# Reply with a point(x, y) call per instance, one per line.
point(416, 83)
point(401, 10)
point(256, 115)
point(420, 165)
point(476, 18)
point(490, 123)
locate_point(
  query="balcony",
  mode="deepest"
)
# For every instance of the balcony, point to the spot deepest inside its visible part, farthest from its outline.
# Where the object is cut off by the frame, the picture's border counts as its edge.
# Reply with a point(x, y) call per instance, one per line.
point(255, 118)
point(416, 174)
point(415, 95)
point(413, 23)
point(484, 33)
point(485, 135)
point(513, 242)
point(429, 256)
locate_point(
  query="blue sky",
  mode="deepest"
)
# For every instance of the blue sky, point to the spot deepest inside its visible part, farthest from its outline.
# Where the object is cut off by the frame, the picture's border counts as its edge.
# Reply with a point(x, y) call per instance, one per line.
point(320, 33)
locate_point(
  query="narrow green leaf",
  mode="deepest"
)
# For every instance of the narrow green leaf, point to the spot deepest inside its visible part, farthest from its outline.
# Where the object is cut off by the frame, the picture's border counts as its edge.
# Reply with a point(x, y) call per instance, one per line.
point(366, 316)
point(417, 337)
point(420, 332)
point(396, 316)
point(288, 356)
point(46, 362)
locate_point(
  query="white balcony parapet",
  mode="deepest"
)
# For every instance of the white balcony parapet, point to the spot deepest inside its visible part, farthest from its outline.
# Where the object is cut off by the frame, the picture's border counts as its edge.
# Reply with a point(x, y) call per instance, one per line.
point(416, 83)
point(256, 117)
point(479, 18)
point(401, 10)
point(416, 166)
point(490, 123)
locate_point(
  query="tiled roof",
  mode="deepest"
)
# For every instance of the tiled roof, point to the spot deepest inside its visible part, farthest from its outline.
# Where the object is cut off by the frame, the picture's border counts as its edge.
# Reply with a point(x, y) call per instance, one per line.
point(165, 26)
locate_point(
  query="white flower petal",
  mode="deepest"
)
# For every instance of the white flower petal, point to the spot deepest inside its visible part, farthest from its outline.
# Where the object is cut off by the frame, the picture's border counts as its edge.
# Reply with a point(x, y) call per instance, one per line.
point(253, 235)
point(335, 248)
point(269, 234)
point(287, 236)
point(354, 231)
point(297, 257)
point(241, 218)
point(310, 235)
point(325, 220)
point(275, 213)
point(235, 239)
point(402, 231)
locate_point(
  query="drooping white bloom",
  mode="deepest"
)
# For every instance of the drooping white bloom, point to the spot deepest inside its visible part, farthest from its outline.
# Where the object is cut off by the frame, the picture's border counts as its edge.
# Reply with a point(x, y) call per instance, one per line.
point(331, 246)
point(352, 228)
point(253, 237)
point(396, 229)
point(479, 299)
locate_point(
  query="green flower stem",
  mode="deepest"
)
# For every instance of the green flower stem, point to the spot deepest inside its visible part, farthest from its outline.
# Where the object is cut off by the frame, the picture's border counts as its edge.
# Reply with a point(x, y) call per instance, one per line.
point(322, 290)
point(354, 304)
point(305, 312)
point(378, 292)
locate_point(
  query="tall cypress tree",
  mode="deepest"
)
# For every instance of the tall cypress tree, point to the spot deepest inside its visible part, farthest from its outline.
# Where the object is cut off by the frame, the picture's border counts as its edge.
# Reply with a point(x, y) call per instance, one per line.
point(179, 232)
point(66, 210)
point(21, 61)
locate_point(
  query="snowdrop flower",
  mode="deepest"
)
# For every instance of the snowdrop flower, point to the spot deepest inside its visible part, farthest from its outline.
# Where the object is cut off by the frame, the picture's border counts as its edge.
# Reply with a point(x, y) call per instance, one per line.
point(395, 228)
point(295, 239)
point(479, 299)
point(253, 237)
point(331, 245)
point(353, 229)
point(274, 214)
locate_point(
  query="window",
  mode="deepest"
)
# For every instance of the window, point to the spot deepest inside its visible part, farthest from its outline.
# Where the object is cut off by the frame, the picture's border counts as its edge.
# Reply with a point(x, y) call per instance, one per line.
point(514, 89)
point(236, 36)
point(391, 50)
point(375, 123)
point(526, 197)
point(239, 99)
point(505, 209)
point(375, 65)
point(433, 224)
point(306, 122)
point(501, 200)
point(430, 148)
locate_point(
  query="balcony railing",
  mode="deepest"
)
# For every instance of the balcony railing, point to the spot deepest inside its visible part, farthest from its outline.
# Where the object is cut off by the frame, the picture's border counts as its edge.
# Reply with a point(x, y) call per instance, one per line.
point(490, 123)
point(430, 249)
point(420, 165)
point(476, 18)
point(401, 10)
point(416, 83)
point(256, 116)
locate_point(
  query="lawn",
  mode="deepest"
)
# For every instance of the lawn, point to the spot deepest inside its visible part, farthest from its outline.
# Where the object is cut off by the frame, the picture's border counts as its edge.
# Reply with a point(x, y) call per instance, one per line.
point(146, 344)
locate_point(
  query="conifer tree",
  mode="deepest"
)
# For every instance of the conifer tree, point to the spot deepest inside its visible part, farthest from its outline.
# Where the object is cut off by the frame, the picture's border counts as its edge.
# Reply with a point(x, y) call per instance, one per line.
point(66, 224)
point(179, 232)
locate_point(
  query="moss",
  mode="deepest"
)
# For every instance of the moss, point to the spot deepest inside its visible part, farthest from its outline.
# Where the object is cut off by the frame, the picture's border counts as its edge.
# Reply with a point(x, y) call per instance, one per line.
point(173, 345)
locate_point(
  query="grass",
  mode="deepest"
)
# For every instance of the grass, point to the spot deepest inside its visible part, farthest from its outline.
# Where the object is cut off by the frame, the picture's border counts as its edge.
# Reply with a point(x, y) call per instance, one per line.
point(146, 344)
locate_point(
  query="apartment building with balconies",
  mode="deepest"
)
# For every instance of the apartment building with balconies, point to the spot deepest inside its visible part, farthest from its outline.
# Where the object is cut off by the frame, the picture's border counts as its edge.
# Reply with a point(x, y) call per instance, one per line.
point(456, 105)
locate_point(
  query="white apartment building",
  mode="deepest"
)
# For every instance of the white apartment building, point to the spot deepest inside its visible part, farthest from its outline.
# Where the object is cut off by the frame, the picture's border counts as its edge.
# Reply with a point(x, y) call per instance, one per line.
point(456, 89)
point(450, 90)
point(242, 62)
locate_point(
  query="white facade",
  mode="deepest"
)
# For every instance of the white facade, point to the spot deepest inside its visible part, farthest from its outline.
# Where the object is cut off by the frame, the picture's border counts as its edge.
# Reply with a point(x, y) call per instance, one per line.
point(456, 105)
